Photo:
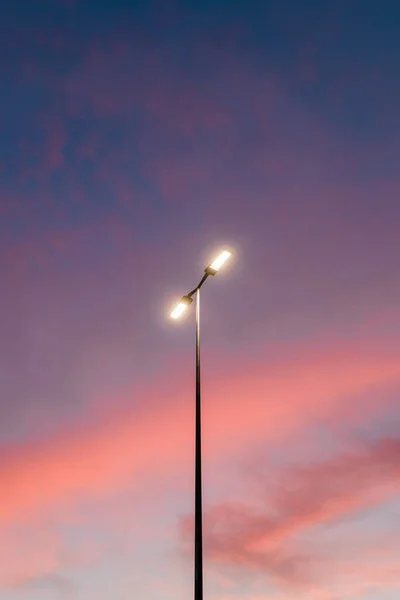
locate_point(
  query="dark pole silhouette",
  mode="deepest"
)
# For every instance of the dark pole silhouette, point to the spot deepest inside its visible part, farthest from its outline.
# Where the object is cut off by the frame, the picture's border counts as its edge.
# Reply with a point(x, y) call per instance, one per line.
point(198, 531)
point(198, 511)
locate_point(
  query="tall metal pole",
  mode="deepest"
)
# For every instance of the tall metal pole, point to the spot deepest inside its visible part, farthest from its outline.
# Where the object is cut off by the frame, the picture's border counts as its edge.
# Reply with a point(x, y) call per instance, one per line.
point(198, 532)
point(198, 516)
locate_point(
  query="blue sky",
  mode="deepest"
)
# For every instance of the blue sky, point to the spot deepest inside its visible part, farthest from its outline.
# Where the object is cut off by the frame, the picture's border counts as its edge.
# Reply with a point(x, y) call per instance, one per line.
point(137, 139)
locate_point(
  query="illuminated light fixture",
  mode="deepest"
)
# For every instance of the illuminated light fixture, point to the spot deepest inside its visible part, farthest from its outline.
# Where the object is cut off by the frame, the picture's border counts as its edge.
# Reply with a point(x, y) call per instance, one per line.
point(218, 262)
point(181, 307)
point(212, 269)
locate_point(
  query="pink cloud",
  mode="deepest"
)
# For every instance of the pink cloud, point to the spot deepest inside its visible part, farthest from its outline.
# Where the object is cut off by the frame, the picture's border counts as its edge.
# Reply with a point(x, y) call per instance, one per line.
point(27, 554)
point(33, 551)
point(279, 401)
point(306, 497)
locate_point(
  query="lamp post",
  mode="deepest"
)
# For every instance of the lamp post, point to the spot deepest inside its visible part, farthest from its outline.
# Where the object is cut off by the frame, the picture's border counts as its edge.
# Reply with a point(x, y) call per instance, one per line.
point(185, 301)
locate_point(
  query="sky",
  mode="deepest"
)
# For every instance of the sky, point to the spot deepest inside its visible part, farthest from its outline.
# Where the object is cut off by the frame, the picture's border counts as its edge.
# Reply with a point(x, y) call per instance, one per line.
point(136, 140)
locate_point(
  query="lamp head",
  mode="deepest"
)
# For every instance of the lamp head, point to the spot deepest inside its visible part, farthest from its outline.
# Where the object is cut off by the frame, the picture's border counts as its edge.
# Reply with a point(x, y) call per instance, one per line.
point(221, 259)
point(180, 308)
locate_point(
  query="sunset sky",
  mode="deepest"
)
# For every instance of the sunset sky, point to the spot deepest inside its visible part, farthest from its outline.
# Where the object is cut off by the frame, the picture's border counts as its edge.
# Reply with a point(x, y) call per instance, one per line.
point(136, 140)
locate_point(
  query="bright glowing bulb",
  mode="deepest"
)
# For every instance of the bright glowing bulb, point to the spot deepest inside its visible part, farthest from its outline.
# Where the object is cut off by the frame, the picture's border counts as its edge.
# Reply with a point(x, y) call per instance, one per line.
point(220, 260)
point(178, 310)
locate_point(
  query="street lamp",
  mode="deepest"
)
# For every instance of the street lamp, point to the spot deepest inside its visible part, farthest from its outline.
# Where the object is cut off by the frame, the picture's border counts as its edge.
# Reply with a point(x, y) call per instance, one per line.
point(184, 302)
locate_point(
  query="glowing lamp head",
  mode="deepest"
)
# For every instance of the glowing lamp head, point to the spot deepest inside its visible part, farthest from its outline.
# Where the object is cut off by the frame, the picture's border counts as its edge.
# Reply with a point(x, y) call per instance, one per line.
point(218, 262)
point(181, 307)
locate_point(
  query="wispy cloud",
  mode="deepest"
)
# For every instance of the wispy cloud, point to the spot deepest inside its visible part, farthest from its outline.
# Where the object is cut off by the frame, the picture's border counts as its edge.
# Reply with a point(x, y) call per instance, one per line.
point(271, 540)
